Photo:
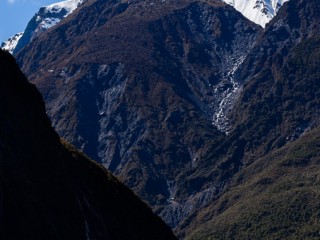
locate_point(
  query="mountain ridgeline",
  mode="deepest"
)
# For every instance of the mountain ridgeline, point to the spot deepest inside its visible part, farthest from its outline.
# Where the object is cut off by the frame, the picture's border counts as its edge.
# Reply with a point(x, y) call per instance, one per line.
point(193, 107)
point(49, 190)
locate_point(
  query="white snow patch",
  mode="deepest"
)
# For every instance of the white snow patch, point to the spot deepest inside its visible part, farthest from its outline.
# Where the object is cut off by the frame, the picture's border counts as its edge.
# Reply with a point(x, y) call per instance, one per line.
point(49, 22)
point(11, 43)
point(258, 11)
point(220, 118)
point(171, 189)
point(69, 6)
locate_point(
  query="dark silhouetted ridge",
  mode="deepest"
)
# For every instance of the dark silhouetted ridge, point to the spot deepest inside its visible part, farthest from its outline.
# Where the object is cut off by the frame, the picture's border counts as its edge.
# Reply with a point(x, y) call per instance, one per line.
point(48, 189)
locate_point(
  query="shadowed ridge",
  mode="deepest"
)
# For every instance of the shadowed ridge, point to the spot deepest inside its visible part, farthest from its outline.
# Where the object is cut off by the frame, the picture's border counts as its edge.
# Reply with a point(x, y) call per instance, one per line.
point(52, 191)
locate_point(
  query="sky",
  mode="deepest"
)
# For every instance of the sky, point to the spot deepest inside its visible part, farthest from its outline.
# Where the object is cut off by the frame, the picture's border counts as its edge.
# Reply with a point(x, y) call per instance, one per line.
point(15, 15)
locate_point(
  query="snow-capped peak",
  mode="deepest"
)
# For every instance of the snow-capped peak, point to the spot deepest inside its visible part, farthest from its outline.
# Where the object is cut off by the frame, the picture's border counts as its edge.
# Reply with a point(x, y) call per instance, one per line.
point(54, 13)
point(44, 19)
point(68, 5)
point(11, 43)
point(258, 11)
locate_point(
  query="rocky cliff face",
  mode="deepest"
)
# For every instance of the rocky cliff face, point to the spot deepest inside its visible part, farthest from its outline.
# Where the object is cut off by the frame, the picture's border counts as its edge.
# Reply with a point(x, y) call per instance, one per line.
point(48, 189)
point(278, 101)
point(282, 80)
point(277, 108)
point(139, 84)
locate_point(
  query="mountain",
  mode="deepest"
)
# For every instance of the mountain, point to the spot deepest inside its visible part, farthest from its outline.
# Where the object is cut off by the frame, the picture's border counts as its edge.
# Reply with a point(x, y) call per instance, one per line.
point(44, 19)
point(49, 190)
point(276, 197)
point(278, 100)
point(185, 101)
point(281, 80)
point(258, 11)
point(273, 140)
point(11, 43)
point(138, 85)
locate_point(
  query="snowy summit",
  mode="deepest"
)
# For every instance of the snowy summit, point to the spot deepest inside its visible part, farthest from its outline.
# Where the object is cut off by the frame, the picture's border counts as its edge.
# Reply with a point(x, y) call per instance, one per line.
point(258, 11)
point(50, 15)
point(60, 10)
point(44, 19)
point(69, 5)
point(11, 43)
